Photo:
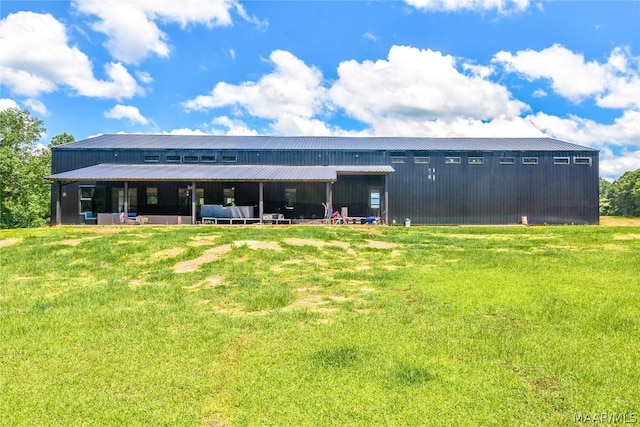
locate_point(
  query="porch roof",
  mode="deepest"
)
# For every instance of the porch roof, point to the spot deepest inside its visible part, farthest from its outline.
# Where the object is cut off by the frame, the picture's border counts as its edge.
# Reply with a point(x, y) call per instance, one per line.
point(256, 173)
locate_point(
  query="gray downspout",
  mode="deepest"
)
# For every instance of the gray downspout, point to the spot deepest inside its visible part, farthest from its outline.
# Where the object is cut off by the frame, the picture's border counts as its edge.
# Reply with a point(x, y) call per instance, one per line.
point(261, 202)
point(125, 206)
point(59, 204)
point(386, 200)
point(194, 200)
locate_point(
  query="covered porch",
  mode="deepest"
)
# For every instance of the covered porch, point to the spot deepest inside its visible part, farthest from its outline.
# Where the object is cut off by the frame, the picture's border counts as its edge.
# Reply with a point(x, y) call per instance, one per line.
point(184, 194)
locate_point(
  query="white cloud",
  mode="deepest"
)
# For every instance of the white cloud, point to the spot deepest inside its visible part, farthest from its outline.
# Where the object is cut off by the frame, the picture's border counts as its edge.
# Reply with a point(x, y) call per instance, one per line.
point(128, 112)
point(618, 142)
point(623, 131)
point(500, 6)
point(290, 96)
point(227, 126)
point(419, 86)
point(131, 26)
point(370, 36)
point(411, 93)
point(186, 131)
point(6, 103)
point(36, 106)
point(613, 84)
point(232, 54)
point(144, 77)
point(35, 58)
point(613, 166)
point(539, 93)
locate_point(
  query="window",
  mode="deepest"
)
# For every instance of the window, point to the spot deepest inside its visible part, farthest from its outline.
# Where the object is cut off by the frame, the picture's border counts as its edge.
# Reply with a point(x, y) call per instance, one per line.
point(582, 160)
point(153, 158)
point(133, 199)
point(529, 160)
point(173, 159)
point(208, 159)
point(452, 160)
point(86, 198)
point(560, 160)
point(374, 198)
point(229, 159)
point(290, 197)
point(229, 196)
point(421, 160)
point(507, 160)
point(397, 159)
point(184, 196)
point(191, 159)
point(152, 195)
point(476, 160)
point(117, 199)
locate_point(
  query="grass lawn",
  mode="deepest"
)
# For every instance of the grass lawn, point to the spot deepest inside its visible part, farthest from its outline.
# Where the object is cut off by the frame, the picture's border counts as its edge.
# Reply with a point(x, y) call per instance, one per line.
point(311, 325)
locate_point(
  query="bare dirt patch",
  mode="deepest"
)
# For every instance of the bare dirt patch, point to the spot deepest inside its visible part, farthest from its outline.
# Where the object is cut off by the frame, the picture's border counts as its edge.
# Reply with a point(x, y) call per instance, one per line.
point(204, 240)
point(614, 247)
point(279, 268)
point(136, 283)
point(614, 221)
point(377, 244)
point(106, 230)
point(316, 243)
point(208, 283)
point(208, 256)
point(255, 244)
point(167, 253)
point(74, 242)
point(483, 236)
point(9, 242)
point(627, 237)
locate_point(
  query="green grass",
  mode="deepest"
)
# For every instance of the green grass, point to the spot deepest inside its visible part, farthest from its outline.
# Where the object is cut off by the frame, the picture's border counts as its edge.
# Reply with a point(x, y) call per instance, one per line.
point(309, 325)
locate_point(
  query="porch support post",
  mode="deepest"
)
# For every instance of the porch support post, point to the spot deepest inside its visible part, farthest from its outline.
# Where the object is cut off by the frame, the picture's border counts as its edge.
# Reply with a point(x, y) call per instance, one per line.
point(194, 201)
point(125, 206)
point(386, 201)
point(329, 197)
point(59, 204)
point(261, 201)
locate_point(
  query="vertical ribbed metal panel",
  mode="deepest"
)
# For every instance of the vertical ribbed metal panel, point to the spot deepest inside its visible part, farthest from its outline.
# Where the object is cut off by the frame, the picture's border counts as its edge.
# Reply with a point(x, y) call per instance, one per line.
point(494, 193)
point(491, 193)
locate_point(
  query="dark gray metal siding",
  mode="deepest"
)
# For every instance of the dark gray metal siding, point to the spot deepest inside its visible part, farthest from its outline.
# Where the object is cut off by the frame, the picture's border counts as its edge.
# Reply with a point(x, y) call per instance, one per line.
point(494, 193)
point(490, 193)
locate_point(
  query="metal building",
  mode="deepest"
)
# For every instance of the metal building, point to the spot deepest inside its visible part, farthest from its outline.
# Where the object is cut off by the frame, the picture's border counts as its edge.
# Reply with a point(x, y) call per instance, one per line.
point(427, 180)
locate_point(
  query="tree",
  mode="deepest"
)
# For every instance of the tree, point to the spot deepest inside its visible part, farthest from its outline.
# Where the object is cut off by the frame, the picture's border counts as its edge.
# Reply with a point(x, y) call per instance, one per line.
point(19, 132)
point(625, 196)
point(25, 196)
point(606, 191)
point(63, 138)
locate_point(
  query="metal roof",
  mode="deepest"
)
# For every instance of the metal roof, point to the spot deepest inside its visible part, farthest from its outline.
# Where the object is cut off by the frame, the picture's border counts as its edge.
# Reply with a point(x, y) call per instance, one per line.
point(136, 172)
point(214, 142)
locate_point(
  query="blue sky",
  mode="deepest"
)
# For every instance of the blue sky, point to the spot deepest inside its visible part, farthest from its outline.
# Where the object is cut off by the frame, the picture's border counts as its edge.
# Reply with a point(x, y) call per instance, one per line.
point(429, 68)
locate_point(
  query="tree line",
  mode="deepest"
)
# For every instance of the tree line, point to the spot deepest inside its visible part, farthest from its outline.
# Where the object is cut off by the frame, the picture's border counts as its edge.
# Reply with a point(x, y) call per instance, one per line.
point(25, 196)
point(621, 197)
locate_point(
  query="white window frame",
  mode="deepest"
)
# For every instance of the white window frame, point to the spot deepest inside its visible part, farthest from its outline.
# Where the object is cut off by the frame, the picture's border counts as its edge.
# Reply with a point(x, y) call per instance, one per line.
point(452, 160)
point(85, 199)
point(582, 161)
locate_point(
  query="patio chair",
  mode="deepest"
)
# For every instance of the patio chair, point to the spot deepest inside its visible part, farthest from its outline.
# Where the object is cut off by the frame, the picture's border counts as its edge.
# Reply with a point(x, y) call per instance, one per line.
point(89, 217)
